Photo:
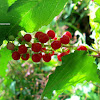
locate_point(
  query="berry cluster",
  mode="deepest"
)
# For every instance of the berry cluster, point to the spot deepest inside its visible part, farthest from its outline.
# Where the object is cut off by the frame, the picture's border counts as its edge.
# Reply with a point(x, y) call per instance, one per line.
point(38, 48)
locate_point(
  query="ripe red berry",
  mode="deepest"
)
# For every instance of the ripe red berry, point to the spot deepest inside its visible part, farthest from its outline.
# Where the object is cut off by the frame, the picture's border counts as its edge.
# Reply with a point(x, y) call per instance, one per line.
point(59, 57)
point(22, 49)
point(36, 47)
point(10, 46)
point(68, 51)
point(81, 47)
point(65, 39)
point(36, 57)
point(51, 34)
point(20, 39)
point(47, 57)
point(43, 38)
point(68, 34)
point(37, 34)
point(15, 55)
point(25, 56)
point(27, 37)
point(56, 44)
point(55, 38)
point(63, 54)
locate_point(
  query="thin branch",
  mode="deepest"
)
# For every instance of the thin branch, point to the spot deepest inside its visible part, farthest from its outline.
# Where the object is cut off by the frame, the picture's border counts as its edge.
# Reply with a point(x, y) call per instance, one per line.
point(96, 85)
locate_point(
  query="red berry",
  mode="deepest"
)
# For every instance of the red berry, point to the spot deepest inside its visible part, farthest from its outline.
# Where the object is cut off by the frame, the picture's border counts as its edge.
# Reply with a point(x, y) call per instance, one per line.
point(36, 47)
point(63, 54)
point(51, 34)
point(68, 34)
point(37, 34)
point(10, 46)
point(27, 37)
point(59, 56)
point(22, 49)
point(65, 39)
point(56, 44)
point(36, 57)
point(25, 56)
point(68, 51)
point(81, 47)
point(43, 38)
point(20, 39)
point(15, 55)
point(47, 57)
point(55, 38)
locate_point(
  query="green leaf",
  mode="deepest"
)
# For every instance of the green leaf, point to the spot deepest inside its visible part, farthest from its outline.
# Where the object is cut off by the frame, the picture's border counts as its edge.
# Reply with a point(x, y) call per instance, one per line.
point(97, 1)
point(5, 56)
point(97, 19)
point(28, 15)
point(75, 1)
point(75, 68)
point(9, 18)
point(36, 13)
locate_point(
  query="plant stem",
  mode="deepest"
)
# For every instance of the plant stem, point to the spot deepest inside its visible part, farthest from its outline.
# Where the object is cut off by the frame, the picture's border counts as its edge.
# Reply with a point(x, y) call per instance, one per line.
point(99, 84)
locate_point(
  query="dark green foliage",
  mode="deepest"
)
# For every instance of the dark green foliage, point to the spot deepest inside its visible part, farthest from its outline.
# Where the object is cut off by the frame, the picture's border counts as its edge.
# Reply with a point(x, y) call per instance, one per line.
point(75, 68)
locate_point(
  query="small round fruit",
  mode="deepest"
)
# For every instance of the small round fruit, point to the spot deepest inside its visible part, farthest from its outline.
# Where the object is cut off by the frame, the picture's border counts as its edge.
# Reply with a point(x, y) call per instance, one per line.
point(11, 38)
point(22, 49)
point(68, 34)
point(15, 55)
point(81, 47)
point(36, 47)
point(68, 51)
point(65, 39)
point(43, 38)
point(27, 37)
point(63, 54)
point(55, 38)
point(59, 57)
point(25, 56)
point(36, 57)
point(21, 39)
point(47, 57)
point(37, 34)
point(51, 34)
point(56, 44)
point(10, 46)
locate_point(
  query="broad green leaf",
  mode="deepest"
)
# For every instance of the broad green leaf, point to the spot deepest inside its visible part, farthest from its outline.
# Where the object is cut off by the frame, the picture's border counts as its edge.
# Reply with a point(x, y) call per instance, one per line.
point(75, 1)
point(5, 56)
point(28, 15)
point(97, 19)
point(36, 13)
point(97, 1)
point(75, 68)
point(10, 2)
point(9, 18)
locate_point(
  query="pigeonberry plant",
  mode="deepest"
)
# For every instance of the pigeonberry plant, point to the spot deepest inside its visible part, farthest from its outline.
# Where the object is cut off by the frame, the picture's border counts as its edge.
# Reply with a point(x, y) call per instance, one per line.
point(26, 40)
